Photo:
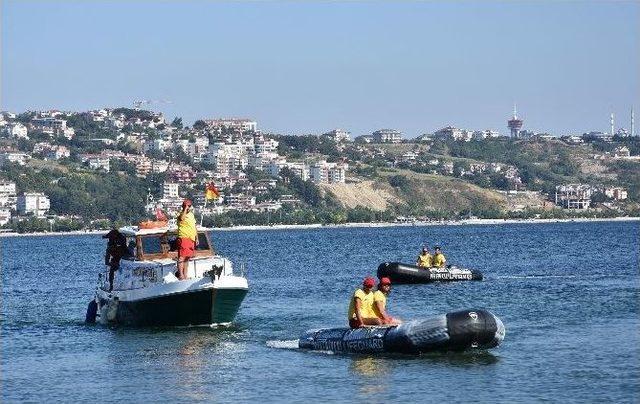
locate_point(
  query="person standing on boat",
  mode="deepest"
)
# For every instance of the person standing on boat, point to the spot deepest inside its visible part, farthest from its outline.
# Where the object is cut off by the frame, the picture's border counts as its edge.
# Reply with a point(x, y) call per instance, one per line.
point(361, 306)
point(425, 260)
point(380, 302)
point(187, 236)
point(116, 249)
point(438, 259)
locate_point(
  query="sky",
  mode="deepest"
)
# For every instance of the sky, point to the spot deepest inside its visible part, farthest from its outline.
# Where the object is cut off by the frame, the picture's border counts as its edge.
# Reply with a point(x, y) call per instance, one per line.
point(307, 67)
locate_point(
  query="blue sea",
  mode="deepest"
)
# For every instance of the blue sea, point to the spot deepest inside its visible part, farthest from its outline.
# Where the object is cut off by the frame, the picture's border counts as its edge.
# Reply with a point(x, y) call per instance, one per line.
point(568, 294)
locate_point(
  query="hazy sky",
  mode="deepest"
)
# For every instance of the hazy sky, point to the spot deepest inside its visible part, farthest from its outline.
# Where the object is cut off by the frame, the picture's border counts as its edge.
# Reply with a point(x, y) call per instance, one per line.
point(308, 67)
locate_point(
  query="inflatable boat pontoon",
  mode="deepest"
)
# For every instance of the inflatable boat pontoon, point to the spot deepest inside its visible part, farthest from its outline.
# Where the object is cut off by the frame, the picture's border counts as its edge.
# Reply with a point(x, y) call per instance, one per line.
point(478, 329)
point(403, 273)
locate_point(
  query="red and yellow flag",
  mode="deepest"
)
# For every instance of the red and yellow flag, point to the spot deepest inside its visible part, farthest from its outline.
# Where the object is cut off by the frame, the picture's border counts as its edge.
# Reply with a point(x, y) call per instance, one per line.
point(211, 192)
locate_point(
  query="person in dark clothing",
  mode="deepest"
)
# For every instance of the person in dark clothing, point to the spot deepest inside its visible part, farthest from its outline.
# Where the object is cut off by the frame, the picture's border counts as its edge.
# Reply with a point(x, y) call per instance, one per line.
point(116, 249)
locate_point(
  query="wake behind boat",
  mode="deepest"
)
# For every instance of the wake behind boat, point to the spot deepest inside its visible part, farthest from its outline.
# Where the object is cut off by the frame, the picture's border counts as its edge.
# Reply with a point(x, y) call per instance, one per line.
point(457, 331)
point(146, 291)
point(405, 273)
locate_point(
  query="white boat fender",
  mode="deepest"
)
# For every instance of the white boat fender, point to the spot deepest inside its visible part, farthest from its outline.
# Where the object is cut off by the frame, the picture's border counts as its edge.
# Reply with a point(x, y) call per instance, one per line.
point(92, 312)
point(112, 309)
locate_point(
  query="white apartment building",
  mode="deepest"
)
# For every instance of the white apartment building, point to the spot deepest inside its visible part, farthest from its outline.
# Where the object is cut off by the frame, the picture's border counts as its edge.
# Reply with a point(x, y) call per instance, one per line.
point(338, 135)
point(16, 130)
point(299, 169)
point(13, 157)
point(265, 146)
point(240, 200)
point(331, 173)
point(99, 163)
point(33, 203)
point(484, 134)
point(387, 136)
point(454, 133)
point(617, 193)
point(235, 124)
point(51, 152)
point(170, 190)
point(53, 127)
point(8, 197)
point(156, 144)
point(5, 216)
point(573, 196)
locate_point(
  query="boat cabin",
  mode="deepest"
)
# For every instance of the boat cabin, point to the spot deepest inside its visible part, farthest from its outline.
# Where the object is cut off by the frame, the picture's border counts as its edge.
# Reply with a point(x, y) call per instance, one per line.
point(161, 243)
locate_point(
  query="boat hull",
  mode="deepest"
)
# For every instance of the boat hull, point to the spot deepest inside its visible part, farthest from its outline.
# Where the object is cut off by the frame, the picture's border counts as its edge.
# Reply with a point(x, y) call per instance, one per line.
point(457, 331)
point(403, 273)
point(211, 306)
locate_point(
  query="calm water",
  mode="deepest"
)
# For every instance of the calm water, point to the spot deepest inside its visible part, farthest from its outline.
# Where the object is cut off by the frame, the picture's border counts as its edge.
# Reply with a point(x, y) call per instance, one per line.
point(567, 293)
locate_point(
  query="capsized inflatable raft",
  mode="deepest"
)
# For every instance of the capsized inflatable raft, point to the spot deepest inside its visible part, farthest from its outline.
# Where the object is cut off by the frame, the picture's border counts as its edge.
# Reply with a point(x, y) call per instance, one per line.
point(467, 329)
point(403, 273)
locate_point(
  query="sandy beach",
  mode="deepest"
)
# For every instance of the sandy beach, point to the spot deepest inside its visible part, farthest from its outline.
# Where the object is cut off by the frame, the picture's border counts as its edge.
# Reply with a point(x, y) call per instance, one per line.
point(465, 222)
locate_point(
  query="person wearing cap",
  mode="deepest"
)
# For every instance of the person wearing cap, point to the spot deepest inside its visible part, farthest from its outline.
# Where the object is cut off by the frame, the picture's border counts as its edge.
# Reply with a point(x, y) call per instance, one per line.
point(380, 302)
point(425, 260)
point(187, 236)
point(361, 306)
point(116, 249)
point(438, 258)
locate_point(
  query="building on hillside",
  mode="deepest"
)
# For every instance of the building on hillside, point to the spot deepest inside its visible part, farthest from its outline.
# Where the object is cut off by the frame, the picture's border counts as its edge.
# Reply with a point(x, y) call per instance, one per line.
point(572, 139)
point(387, 136)
point(232, 124)
point(573, 196)
point(485, 134)
point(16, 130)
point(299, 169)
point(365, 139)
point(329, 173)
point(156, 145)
point(170, 190)
point(621, 152)
point(53, 127)
point(99, 163)
point(5, 216)
point(617, 193)
point(33, 203)
point(452, 133)
point(240, 201)
point(8, 196)
point(338, 135)
point(51, 151)
point(13, 157)
point(597, 135)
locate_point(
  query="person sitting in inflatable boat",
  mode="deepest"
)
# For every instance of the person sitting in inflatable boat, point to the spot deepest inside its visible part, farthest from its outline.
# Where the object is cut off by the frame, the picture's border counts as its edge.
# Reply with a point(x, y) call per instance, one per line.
point(425, 259)
point(439, 260)
point(361, 305)
point(380, 303)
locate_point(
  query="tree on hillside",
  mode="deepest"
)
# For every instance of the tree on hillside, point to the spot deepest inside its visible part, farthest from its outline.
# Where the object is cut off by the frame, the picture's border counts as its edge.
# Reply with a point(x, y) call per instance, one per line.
point(177, 123)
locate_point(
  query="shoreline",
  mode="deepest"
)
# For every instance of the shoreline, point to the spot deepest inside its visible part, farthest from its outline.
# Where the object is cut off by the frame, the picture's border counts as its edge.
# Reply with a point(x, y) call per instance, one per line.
point(464, 222)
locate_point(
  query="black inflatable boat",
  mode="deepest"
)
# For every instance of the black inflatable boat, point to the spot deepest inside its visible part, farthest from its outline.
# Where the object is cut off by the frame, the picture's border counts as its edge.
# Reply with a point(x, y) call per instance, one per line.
point(467, 329)
point(403, 273)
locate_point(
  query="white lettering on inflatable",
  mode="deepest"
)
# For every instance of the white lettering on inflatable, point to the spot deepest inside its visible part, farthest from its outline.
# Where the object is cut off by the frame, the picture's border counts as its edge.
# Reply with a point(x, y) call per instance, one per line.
point(445, 276)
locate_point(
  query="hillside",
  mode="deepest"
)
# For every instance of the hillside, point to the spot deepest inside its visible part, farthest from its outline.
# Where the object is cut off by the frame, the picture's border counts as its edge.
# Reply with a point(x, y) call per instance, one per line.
point(417, 193)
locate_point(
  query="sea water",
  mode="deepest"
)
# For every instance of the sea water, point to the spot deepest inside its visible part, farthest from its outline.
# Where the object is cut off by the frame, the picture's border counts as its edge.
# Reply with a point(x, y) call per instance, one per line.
point(568, 294)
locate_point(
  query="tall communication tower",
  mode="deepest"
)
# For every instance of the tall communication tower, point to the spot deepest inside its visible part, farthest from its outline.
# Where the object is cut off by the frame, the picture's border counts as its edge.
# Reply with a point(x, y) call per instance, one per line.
point(633, 130)
point(612, 126)
point(515, 124)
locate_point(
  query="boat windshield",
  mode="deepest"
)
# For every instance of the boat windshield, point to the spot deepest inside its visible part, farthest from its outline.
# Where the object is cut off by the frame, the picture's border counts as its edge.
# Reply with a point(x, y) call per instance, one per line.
point(167, 243)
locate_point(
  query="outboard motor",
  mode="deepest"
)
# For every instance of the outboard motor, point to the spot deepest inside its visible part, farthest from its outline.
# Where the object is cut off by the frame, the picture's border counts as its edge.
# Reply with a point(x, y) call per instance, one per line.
point(92, 312)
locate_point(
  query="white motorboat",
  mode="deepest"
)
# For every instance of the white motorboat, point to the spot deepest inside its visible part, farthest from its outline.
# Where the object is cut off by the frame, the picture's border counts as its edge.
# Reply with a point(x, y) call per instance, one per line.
point(146, 291)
